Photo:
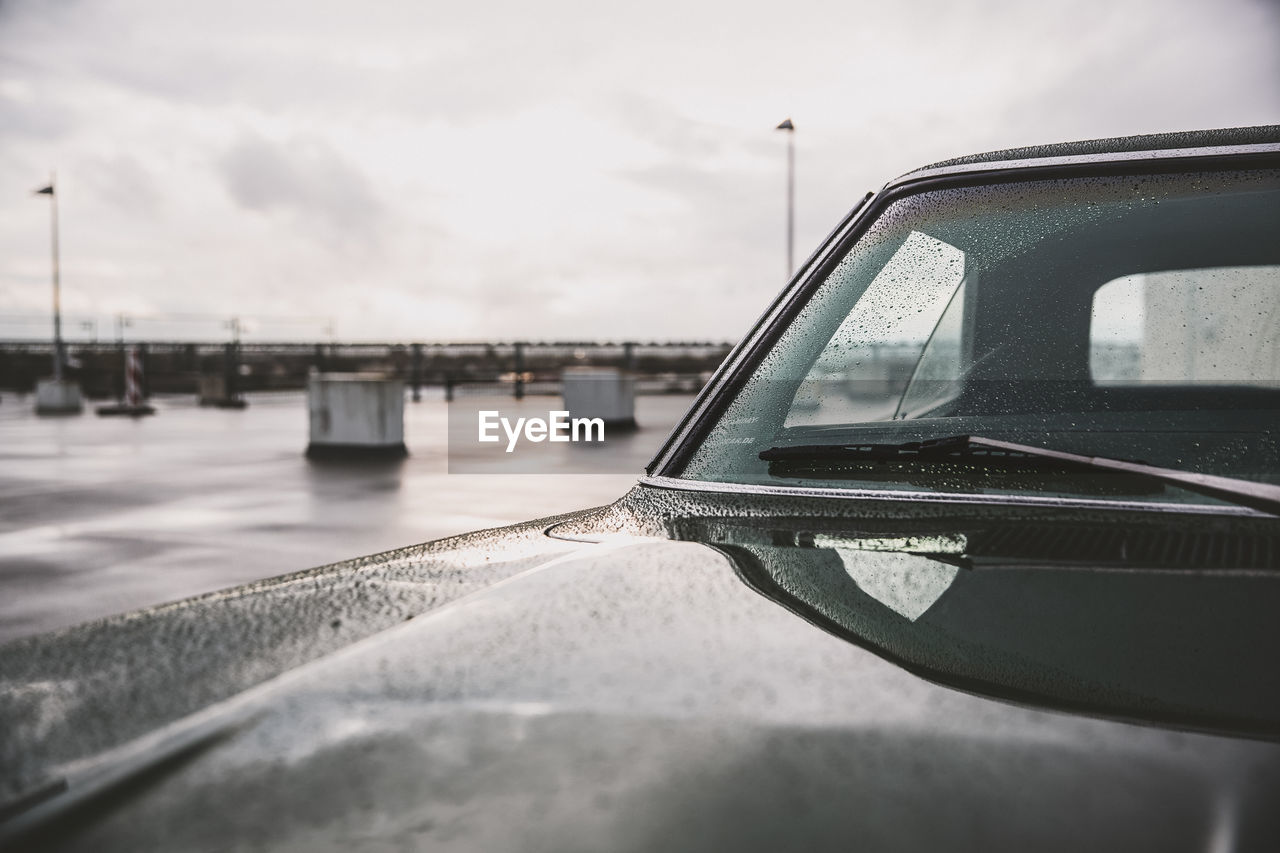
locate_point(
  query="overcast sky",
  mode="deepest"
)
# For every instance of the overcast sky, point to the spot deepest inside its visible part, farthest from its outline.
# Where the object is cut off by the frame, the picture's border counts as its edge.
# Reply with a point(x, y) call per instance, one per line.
point(419, 170)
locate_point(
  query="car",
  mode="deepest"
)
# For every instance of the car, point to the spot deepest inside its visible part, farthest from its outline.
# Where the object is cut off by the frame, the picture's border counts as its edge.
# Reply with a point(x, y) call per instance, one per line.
point(972, 543)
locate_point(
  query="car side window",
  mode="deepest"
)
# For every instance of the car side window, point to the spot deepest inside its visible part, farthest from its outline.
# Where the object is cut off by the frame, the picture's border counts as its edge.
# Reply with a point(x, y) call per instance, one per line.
point(1205, 326)
point(862, 372)
point(943, 364)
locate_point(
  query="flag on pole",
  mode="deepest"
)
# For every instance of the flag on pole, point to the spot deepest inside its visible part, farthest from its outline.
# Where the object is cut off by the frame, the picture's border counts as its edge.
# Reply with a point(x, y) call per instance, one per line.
point(46, 191)
point(786, 125)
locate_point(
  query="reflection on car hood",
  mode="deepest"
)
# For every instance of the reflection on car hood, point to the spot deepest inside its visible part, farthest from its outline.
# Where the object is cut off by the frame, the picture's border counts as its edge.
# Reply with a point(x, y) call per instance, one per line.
point(629, 693)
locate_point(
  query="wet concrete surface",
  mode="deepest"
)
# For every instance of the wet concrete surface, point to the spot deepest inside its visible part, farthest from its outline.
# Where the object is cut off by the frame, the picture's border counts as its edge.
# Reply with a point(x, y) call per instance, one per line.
point(105, 515)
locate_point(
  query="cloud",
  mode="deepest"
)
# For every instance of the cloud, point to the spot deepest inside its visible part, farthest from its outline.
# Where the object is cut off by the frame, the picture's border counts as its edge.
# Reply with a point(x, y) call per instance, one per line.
point(122, 181)
point(1168, 76)
point(657, 123)
point(304, 179)
point(23, 114)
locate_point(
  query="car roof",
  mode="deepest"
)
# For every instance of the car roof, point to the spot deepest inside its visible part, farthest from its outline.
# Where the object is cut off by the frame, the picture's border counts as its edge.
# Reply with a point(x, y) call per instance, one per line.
point(1188, 139)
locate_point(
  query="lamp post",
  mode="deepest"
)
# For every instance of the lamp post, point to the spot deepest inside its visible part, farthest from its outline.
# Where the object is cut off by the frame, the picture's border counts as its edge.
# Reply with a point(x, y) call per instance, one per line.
point(57, 296)
point(56, 396)
point(791, 193)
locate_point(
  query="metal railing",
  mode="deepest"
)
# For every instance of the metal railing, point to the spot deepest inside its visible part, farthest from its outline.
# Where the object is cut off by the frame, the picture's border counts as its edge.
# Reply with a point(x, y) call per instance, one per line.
point(519, 366)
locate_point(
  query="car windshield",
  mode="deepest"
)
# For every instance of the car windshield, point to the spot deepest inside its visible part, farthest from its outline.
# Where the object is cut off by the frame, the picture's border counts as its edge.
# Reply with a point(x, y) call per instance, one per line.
point(1126, 316)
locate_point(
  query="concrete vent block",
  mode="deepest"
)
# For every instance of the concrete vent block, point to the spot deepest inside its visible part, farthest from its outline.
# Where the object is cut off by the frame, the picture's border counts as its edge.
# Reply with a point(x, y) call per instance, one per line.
point(355, 415)
point(600, 392)
point(58, 397)
point(212, 390)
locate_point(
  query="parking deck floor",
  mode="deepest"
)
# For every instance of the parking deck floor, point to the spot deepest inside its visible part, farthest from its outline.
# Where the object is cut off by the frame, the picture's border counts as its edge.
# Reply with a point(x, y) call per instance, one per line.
point(105, 515)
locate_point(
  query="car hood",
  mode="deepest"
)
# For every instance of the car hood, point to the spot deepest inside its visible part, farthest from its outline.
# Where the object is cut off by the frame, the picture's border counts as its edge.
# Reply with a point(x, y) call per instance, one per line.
point(615, 690)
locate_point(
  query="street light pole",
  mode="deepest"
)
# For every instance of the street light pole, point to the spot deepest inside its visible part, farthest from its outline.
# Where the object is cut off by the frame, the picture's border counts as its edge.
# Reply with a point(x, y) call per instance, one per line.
point(791, 193)
point(57, 290)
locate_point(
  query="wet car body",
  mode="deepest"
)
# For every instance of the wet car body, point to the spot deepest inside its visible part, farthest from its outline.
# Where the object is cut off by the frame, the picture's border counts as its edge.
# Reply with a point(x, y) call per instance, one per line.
point(786, 659)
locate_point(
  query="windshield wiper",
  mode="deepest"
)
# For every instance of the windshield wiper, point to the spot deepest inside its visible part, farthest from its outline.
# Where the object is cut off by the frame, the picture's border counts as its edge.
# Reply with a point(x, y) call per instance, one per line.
point(976, 448)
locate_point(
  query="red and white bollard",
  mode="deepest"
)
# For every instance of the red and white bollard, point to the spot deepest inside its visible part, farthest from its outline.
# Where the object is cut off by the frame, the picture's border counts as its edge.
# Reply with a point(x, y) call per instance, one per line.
point(132, 404)
point(133, 378)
